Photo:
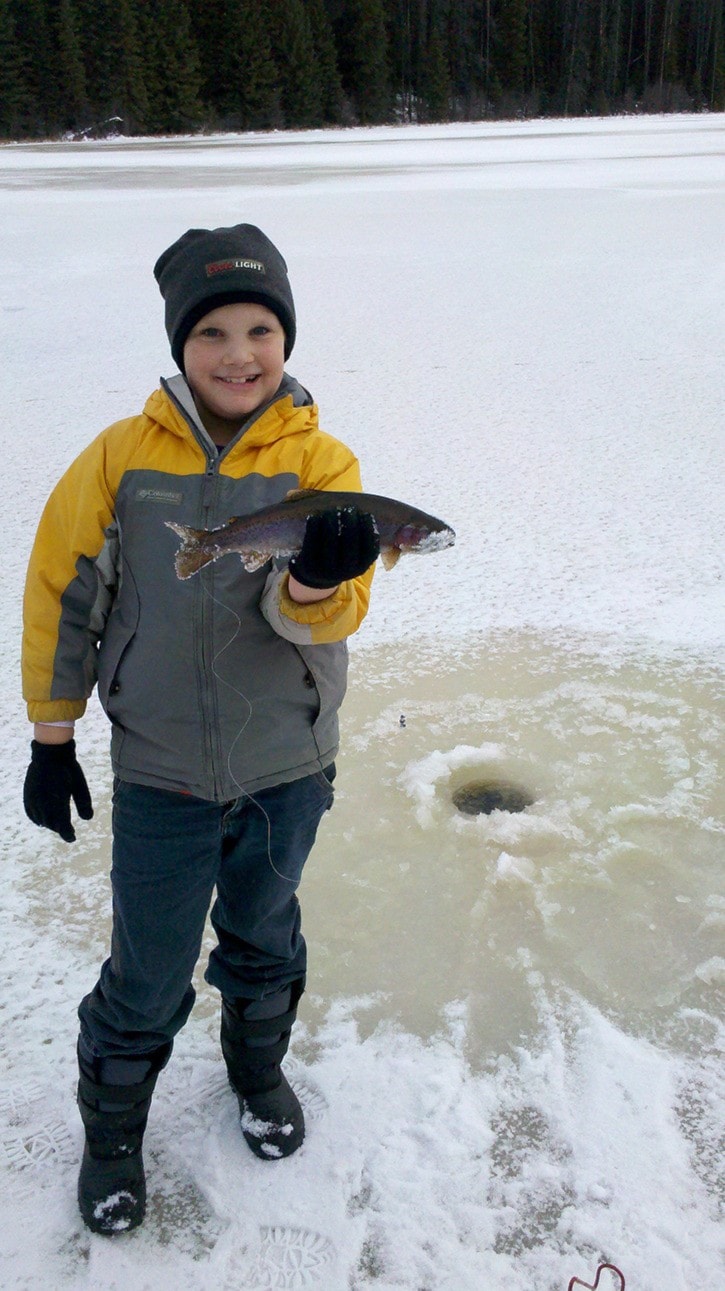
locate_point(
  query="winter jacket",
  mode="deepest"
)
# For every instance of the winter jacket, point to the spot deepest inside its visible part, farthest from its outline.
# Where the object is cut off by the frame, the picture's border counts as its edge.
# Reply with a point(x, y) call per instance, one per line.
point(217, 685)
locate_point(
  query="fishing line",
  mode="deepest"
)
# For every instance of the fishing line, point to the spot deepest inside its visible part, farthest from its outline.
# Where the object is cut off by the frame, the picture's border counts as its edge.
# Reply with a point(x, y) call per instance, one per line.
point(243, 793)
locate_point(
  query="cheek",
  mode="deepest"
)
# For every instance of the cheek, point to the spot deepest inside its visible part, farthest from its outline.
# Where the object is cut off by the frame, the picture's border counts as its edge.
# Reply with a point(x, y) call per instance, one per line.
point(199, 363)
point(276, 357)
point(192, 362)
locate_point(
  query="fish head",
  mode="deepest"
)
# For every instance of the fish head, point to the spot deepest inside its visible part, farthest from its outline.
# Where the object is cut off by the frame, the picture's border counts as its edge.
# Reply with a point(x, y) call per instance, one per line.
point(421, 537)
point(416, 536)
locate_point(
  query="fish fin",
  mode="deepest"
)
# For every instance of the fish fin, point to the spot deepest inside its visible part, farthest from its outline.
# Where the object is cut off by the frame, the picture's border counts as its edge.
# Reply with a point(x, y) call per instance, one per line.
point(253, 560)
point(390, 556)
point(191, 556)
point(294, 494)
point(182, 530)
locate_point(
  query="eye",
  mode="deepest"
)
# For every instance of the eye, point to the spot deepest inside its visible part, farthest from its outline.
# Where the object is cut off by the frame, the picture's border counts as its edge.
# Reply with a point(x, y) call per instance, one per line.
point(210, 331)
point(261, 330)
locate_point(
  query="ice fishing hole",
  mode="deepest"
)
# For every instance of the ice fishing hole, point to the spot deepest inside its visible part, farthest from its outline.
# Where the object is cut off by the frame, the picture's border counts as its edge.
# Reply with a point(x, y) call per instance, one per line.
point(481, 797)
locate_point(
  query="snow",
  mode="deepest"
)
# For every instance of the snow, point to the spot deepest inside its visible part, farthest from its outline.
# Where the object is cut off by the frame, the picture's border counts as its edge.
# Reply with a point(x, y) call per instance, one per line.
point(509, 1053)
point(109, 1204)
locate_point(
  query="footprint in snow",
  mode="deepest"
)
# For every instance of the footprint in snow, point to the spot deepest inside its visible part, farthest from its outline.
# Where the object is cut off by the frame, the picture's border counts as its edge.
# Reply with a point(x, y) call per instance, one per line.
point(37, 1148)
point(314, 1103)
point(16, 1101)
point(289, 1259)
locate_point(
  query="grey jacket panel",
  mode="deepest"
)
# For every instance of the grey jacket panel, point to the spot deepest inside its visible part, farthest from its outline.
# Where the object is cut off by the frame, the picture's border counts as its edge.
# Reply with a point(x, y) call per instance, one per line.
point(85, 606)
point(203, 694)
point(74, 668)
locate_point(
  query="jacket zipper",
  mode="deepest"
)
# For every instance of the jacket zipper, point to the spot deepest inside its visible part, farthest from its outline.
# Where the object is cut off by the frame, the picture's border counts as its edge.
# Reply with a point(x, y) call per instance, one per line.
point(207, 680)
point(213, 755)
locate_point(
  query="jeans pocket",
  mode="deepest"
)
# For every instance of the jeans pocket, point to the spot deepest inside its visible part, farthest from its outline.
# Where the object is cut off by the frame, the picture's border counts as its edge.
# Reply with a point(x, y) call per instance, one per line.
point(325, 779)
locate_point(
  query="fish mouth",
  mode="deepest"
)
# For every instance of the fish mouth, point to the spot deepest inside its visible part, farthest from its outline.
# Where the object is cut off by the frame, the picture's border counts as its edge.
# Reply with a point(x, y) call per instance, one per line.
point(436, 541)
point(417, 539)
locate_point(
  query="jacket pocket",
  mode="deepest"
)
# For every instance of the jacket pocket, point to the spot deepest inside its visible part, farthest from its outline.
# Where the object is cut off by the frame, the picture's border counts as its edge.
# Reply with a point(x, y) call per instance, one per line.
point(327, 667)
point(113, 651)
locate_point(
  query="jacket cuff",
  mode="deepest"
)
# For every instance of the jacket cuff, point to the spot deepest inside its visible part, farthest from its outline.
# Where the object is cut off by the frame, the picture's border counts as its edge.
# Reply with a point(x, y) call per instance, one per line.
point(319, 621)
point(56, 710)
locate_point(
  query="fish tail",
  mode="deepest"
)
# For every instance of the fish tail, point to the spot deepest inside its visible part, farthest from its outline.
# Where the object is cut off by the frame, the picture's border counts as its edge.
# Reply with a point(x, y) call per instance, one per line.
point(190, 561)
point(192, 554)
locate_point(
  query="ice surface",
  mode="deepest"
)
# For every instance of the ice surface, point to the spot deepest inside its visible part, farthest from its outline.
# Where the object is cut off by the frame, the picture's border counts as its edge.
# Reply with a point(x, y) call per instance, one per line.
point(509, 1050)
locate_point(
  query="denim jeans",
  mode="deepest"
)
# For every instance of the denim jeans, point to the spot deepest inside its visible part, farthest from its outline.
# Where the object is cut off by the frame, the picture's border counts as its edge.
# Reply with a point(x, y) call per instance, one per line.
point(169, 852)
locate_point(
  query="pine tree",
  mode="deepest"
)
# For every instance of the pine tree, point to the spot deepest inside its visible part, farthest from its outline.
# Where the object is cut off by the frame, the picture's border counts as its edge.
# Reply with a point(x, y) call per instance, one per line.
point(40, 73)
point(576, 75)
point(511, 45)
point(114, 65)
point(239, 76)
point(323, 40)
point(363, 43)
point(72, 74)
point(93, 30)
point(403, 54)
point(207, 30)
point(547, 42)
point(129, 83)
point(294, 54)
point(171, 66)
point(435, 81)
point(64, 63)
point(216, 31)
point(14, 95)
point(470, 28)
point(716, 97)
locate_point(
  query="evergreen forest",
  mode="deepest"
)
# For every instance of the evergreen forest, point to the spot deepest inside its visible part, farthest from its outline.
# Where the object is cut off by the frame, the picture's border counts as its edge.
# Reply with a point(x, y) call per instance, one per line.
point(87, 68)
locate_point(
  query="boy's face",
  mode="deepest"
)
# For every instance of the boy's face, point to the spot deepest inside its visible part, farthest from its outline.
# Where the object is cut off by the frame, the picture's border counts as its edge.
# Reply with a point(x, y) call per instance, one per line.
point(234, 362)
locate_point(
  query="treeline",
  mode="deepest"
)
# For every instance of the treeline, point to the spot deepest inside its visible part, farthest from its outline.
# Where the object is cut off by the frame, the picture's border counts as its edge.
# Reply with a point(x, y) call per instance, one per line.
point(89, 67)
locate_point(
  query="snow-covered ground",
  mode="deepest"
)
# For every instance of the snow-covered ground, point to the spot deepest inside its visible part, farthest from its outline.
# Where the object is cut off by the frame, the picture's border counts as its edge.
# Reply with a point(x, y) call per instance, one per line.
point(509, 1048)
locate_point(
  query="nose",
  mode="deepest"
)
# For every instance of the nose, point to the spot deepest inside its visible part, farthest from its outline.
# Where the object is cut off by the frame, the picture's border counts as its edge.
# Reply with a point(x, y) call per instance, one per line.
point(239, 349)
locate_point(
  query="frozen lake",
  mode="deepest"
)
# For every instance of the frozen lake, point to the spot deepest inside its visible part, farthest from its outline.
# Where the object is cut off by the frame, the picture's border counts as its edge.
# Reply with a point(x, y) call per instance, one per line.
point(510, 1046)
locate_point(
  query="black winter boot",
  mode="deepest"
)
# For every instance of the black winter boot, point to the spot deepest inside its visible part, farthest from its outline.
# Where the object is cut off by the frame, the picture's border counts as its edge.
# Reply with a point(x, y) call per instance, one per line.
point(255, 1036)
point(114, 1096)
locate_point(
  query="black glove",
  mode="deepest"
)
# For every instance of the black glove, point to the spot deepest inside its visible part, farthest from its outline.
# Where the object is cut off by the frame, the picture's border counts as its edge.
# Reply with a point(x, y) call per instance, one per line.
point(337, 545)
point(53, 778)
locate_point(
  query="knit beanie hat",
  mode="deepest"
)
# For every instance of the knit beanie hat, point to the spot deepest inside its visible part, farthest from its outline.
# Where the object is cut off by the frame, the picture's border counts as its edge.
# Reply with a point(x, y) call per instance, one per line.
point(206, 268)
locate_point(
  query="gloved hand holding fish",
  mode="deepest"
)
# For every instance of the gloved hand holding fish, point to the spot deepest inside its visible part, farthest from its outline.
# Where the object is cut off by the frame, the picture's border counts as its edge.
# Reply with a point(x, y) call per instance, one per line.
point(281, 530)
point(337, 545)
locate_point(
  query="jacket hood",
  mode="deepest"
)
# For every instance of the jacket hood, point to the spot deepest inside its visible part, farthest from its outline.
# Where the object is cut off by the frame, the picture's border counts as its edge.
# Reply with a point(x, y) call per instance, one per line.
point(172, 406)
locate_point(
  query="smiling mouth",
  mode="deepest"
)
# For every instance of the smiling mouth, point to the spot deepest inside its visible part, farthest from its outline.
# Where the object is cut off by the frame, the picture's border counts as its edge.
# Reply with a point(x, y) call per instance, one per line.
point(239, 381)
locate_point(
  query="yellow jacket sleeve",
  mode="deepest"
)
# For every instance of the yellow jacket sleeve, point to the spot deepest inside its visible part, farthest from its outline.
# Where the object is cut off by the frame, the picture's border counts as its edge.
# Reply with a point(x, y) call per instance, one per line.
point(64, 596)
point(329, 465)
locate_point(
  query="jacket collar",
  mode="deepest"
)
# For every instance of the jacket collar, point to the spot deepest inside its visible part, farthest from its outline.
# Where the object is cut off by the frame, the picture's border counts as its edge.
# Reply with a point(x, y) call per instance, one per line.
point(290, 396)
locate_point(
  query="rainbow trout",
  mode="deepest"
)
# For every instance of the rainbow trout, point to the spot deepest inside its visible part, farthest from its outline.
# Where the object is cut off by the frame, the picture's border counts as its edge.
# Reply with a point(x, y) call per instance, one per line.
point(278, 530)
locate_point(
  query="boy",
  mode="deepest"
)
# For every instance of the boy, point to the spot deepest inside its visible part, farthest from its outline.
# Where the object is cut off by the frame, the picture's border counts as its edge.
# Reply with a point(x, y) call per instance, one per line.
point(222, 693)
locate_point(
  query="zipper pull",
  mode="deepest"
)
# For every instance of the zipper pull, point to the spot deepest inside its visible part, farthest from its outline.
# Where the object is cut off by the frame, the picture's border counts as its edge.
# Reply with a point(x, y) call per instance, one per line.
point(207, 488)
